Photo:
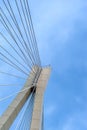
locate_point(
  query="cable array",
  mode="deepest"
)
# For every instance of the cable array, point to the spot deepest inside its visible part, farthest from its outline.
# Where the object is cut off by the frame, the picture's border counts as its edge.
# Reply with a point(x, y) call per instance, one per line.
point(26, 116)
point(18, 52)
point(18, 45)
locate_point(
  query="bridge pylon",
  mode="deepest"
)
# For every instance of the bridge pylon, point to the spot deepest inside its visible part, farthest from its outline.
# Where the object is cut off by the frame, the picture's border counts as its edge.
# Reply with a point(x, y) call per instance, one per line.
point(37, 82)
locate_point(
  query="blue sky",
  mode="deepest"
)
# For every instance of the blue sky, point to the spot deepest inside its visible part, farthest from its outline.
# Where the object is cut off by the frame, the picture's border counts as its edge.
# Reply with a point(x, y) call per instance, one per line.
point(61, 32)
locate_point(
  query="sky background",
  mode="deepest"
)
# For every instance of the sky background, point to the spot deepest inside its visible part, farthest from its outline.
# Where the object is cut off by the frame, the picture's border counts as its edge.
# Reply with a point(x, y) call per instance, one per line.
point(61, 32)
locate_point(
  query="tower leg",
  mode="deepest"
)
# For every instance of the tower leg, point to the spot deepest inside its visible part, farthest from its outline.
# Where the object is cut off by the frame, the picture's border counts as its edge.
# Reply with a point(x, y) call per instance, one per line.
point(36, 121)
point(14, 108)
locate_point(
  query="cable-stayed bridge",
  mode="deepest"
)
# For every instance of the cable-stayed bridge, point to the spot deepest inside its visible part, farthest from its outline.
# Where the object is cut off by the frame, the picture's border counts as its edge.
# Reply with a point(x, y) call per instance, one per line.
point(20, 69)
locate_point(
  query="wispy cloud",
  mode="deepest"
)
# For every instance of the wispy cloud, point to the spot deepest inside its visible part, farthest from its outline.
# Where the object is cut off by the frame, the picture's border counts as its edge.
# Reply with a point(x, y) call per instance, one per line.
point(50, 110)
point(72, 122)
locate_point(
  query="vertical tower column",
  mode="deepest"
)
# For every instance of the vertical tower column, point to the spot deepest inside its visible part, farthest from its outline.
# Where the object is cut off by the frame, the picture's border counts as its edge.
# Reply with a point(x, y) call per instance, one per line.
point(36, 121)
